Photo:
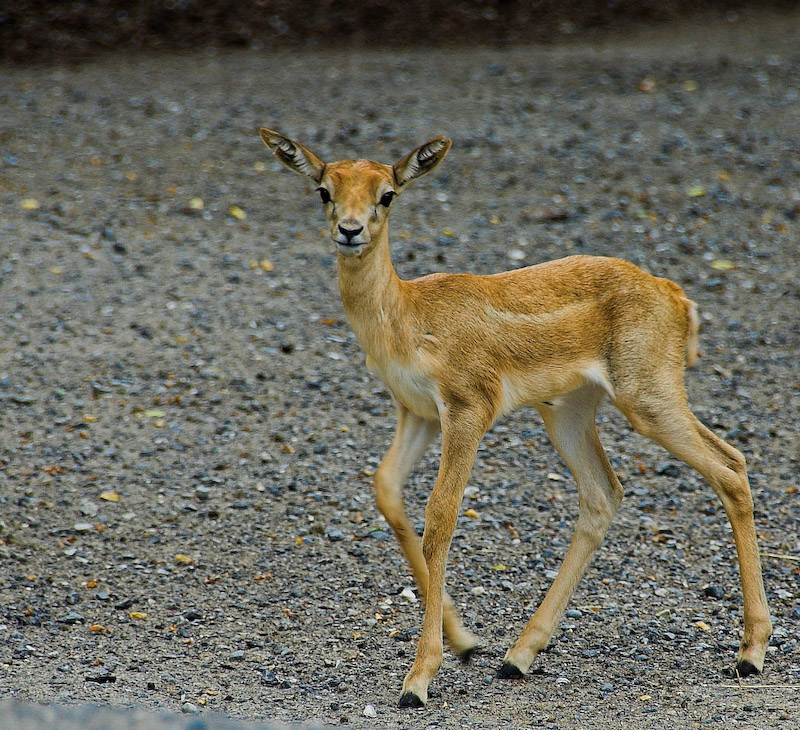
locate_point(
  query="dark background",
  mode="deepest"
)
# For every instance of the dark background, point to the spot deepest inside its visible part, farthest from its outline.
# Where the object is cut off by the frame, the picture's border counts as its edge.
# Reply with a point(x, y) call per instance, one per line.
point(44, 30)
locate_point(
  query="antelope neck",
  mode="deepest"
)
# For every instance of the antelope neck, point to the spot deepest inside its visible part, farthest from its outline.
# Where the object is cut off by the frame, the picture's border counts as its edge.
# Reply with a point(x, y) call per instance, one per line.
point(373, 297)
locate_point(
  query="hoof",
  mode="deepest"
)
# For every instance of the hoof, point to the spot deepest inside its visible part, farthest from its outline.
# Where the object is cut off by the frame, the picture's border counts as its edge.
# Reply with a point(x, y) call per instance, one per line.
point(409, 699)
point(745, 668)
point(466, 655)
point(509, 671)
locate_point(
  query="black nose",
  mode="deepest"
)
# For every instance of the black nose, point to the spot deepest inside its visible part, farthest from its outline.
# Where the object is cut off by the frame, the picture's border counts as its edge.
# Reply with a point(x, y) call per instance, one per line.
point(350, 233)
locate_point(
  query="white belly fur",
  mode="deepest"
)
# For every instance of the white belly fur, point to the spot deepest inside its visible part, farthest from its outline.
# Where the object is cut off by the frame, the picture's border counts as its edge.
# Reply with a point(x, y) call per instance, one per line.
point(532, 388)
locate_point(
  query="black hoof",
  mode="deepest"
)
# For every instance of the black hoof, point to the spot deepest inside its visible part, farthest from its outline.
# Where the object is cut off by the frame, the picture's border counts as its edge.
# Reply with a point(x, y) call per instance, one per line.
point(509, 671)
point(745, 668)
point(409, 699)
point(467, 654)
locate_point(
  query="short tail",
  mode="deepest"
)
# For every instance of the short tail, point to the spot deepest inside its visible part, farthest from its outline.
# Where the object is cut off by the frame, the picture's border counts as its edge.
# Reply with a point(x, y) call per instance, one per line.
point(693, 328)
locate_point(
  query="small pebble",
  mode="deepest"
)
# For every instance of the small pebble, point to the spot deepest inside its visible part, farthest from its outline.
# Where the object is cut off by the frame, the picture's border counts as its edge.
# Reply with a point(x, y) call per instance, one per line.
point(668, 469)
point(88, 508)
point(73, 617)
point(369, 711)
point(269, 678)
point(190, 708)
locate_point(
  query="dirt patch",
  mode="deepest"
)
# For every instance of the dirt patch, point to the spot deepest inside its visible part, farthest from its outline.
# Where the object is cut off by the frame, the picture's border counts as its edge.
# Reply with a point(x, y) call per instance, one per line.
point(189, 431)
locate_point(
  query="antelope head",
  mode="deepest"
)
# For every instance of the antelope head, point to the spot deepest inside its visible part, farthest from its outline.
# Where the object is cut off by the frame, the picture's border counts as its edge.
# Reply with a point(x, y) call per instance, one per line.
point(357, 194)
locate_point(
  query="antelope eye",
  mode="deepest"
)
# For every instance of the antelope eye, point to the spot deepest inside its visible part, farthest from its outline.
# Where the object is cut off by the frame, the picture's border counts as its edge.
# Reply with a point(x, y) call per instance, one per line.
point(386, 198)
point(324, 195)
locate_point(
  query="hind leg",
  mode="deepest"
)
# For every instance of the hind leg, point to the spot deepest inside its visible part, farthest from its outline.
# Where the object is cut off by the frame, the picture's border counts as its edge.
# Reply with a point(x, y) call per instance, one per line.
point(570, 423)
point(666, 418)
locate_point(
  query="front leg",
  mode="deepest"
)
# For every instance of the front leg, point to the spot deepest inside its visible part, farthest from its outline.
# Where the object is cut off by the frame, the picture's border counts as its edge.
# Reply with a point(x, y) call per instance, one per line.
point(461, 435)
point(413, 436)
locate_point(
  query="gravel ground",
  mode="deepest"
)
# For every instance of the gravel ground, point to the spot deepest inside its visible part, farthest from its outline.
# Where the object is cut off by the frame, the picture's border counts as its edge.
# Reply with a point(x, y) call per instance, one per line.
point(189, 432)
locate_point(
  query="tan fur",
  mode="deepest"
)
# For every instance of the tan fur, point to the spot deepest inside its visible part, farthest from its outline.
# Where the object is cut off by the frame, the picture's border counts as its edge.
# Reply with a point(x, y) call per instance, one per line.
point(457, 351)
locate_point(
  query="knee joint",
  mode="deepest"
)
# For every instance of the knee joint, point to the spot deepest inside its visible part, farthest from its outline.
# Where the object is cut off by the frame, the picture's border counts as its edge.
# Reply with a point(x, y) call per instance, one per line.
point(387, 497)
point(739, 499)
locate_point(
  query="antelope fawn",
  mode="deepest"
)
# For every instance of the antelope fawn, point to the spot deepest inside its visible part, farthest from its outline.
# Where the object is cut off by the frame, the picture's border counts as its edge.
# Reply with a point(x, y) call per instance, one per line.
point(457, 351)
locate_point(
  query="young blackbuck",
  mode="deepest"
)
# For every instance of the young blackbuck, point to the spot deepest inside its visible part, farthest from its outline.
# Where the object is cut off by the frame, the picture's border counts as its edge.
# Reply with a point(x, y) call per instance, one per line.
point(457, 351)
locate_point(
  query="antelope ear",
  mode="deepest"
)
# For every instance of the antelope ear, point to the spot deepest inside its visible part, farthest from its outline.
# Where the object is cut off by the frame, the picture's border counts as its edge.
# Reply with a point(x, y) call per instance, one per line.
point(421, 161)
point(293, 155)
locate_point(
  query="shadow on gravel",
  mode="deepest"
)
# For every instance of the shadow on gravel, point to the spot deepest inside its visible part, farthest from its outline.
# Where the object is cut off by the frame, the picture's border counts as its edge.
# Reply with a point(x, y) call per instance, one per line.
point(22, 716)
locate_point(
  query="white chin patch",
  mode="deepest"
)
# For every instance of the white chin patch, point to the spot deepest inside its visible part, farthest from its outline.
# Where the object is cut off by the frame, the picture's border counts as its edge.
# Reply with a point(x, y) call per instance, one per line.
point(350, 251)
